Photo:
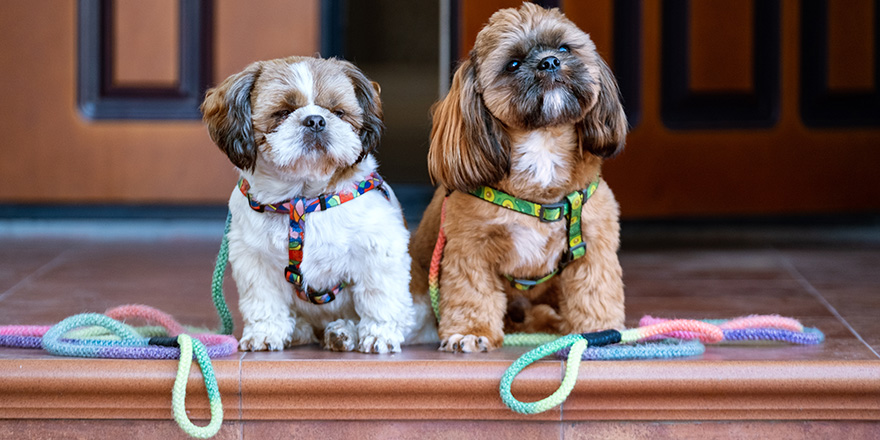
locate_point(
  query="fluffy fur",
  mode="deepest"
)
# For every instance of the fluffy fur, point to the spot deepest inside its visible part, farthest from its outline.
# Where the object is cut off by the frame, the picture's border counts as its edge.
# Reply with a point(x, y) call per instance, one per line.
point(302, 127)
point(532, 112)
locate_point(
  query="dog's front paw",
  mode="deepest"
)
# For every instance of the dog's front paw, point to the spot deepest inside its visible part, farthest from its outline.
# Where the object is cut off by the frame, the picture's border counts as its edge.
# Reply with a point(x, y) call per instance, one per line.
point(262, 336)
point(466, 344)
point(379, 338)
point(340, 335)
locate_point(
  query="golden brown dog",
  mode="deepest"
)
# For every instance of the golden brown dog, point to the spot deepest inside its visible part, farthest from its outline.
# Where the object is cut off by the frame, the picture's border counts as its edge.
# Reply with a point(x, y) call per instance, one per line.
point(532, 113)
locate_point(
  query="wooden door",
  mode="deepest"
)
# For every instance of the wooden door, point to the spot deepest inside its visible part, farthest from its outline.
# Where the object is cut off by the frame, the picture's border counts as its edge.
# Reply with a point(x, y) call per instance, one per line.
point(100, 97)
point(737, 107)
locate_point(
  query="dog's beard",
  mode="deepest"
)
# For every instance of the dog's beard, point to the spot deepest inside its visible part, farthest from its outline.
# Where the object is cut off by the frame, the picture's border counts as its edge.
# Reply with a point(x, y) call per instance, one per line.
point(302, 151)
point(541, 102)
point(555, 100)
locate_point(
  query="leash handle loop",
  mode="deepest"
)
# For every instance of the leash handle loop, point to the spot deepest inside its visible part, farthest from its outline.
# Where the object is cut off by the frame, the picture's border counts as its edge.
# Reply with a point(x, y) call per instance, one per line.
point(577, 343)
point(188, 346)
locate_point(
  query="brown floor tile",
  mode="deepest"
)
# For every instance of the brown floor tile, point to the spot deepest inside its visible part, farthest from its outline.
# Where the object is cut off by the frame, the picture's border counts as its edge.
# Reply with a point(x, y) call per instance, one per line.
point(848, 266)
point(852, 301)
point(51, 387)
point(722, 430)
point(702, 264)
point(174, 277)
point(419, 383)
point(719, 299)
point(868, 328)
point(381, 430)
point(20, 259)
point(105, 429)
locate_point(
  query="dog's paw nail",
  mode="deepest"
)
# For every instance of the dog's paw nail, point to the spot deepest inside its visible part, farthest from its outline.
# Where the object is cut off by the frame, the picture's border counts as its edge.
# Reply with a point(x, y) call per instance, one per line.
point(483, 343)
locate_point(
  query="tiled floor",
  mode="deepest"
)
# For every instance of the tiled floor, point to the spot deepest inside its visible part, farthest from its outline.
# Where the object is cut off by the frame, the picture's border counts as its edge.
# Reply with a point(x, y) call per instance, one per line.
point(830, 282)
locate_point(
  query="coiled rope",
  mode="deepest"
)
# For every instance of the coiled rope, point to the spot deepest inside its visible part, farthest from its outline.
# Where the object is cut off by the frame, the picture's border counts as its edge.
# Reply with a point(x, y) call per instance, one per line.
point(654, 332)
point(94, 335)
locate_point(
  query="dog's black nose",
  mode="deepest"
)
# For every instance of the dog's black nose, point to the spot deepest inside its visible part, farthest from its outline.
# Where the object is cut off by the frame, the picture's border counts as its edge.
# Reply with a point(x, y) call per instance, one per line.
point(315, 122)
point(549, 64)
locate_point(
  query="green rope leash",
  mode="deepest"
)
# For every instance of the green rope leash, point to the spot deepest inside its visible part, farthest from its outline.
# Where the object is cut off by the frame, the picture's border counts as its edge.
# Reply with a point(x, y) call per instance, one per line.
point(217, 281)
point(188, 346)
point(578, 345)
point(528, 339)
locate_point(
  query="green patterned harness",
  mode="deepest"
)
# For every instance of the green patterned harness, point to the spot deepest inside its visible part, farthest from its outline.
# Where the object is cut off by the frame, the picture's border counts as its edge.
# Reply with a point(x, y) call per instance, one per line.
point(569, 208)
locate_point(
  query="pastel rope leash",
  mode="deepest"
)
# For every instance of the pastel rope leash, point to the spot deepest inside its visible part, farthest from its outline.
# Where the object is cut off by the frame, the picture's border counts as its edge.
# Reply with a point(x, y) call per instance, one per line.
point(188, 346)
point(573, 347)
point(104, 336)
point(226, 325)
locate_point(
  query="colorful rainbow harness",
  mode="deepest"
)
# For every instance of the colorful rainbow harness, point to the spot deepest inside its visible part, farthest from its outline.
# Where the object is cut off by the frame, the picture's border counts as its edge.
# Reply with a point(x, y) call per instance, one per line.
point(569, 208)
point(298, 208)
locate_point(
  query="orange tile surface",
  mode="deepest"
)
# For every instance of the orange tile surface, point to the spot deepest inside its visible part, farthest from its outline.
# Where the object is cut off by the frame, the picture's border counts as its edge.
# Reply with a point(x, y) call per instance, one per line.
point(807, 391)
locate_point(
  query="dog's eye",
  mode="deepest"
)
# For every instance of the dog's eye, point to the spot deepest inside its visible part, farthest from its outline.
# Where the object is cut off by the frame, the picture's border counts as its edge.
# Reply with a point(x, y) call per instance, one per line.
point(280, 114)
point(513, 66)
point(339, 113)
point(564, 48)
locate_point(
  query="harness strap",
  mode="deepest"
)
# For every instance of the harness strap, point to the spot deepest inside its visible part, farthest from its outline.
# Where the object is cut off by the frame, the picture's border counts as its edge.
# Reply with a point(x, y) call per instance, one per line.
point(297, 208)
point(568, 208)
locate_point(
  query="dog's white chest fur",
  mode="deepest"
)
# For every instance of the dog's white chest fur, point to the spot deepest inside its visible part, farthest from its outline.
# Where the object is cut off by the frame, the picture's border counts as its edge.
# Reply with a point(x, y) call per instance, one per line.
point(541, 156)
point(362, 242)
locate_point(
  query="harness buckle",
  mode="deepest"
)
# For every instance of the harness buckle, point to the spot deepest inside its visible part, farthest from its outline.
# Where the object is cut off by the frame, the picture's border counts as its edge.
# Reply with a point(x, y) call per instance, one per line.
point(568, 254)
point(293, 276)
point(545, 209)
point(319, 298)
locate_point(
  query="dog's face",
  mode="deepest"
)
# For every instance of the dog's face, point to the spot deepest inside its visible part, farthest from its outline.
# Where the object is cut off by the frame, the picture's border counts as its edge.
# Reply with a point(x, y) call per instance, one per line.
point(530, 68)
point(535, 68)
point(300, 116)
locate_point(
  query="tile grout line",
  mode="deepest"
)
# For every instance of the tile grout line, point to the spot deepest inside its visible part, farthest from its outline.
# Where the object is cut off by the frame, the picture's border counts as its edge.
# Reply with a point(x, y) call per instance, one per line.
point(52, 264)
point(812, 290)
point(562, 405)
point(241, 395)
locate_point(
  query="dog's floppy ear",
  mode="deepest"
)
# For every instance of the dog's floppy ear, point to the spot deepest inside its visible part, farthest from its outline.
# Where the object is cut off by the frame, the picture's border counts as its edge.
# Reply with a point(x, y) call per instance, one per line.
point(603, 130)
point(227, 112)
point(367, 94)
point(469, 147)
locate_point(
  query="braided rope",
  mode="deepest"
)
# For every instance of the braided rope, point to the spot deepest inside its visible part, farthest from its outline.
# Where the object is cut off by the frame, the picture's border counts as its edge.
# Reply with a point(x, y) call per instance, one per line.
point(577, 344)
point(129, 344)
point(148, 314)
point(659, 349)
point(178, 392)
point(528, 339)
point(434, 270)
point(217, 296)
point(96, 335)
point(574, 348)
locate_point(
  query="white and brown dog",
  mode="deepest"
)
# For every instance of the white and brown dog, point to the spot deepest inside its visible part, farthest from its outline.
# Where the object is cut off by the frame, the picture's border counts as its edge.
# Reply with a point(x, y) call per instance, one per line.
point(330, 263)
point(528, 120)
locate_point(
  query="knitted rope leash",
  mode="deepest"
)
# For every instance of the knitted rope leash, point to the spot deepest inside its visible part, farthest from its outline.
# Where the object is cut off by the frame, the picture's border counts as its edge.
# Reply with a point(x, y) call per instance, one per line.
point(573, 347)
point(95, 335)
point(178, 392)
point(217, 296)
